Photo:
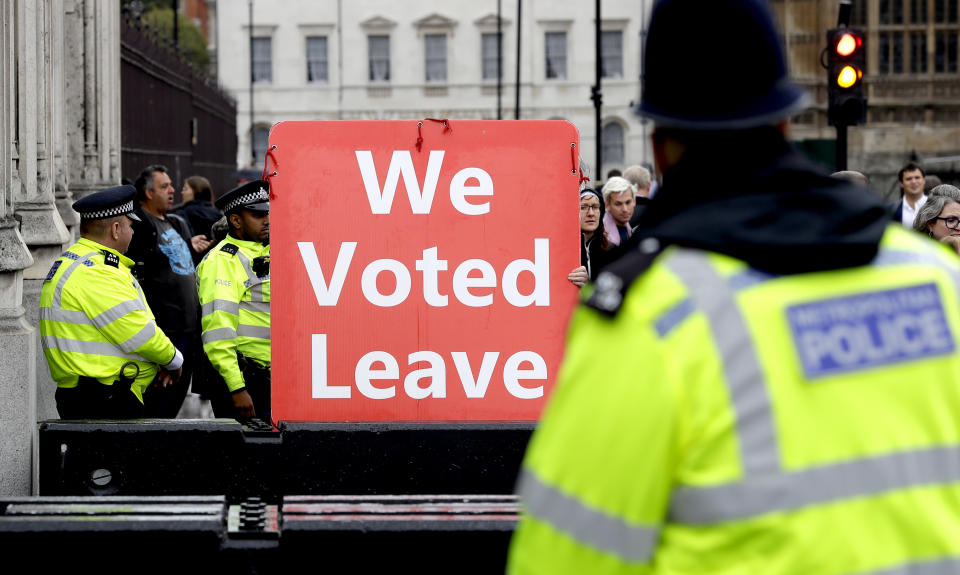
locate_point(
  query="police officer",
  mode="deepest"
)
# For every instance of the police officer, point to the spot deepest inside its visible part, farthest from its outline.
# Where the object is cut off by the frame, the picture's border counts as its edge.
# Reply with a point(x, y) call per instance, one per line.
point(770, 382)
point(98, 333)
point(234, 284)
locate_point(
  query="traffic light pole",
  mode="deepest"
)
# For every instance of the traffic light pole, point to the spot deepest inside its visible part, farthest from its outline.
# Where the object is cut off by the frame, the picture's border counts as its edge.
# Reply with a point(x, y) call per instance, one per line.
point(841, 153)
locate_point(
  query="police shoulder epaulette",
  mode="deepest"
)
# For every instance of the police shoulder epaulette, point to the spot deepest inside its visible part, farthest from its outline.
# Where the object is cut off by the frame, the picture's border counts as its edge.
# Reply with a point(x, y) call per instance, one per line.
point(230, 249)
point(111, 259)
point(612, 284)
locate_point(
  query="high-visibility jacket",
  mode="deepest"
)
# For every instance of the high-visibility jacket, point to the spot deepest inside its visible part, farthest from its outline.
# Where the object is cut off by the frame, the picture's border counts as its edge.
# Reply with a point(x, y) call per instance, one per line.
point(235, 307)
point(717, 419)
point(94, 319)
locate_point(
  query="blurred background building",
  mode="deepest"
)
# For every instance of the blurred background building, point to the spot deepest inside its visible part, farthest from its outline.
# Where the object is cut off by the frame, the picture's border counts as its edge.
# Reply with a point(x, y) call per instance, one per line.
point(385, 60)
point(376, 59)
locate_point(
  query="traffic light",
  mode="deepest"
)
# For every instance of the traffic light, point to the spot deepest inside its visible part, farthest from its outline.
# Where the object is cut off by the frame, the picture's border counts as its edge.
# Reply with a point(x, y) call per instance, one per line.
point(846, 61)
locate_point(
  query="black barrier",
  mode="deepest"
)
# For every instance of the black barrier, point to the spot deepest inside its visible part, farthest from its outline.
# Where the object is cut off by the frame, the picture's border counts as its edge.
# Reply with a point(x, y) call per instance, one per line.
point(221, 457)
point(157, 457)
point(355, 534)
point(402, 458)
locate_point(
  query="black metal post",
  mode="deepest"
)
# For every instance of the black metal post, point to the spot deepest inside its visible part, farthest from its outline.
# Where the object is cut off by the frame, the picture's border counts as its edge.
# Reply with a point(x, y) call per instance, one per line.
point(516, 113)
point(499, 61)
point(176, 23)
point(598, 95)
point(253, 154)
point(841, 147)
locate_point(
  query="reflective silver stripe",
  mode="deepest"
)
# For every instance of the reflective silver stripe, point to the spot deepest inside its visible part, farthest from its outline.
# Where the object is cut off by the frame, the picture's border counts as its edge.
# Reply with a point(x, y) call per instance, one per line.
point(140, 338)
point(256, 306)
point(759, 449)
point(257, 331)
point(789, 491)
point(66, 275)
point(674, 317)
point(100, 320)
point(942, 566)
point(65, 316)
point(591, 526)
point(117, 311)
point(748, 278)
point(219, 334)
point(245, 262)
point(256, 293)
point(226, 305)
point(255, 286)
point(90, 347)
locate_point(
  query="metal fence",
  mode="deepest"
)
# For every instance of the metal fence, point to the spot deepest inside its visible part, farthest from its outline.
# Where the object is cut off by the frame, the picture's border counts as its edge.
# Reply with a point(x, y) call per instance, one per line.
point(171, 113)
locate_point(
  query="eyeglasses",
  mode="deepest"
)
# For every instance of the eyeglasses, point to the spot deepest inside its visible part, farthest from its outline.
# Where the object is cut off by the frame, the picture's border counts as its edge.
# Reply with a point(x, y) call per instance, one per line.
point(951, 222)
point(589, 208)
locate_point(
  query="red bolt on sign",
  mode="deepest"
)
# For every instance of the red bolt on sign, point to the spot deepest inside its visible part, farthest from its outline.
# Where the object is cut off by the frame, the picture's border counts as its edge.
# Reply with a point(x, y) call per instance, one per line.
point(420, 285)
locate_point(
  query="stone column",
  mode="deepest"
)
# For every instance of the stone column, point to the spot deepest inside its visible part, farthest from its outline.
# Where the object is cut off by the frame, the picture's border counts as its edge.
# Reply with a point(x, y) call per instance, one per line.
point(90, 114)
point(42, 227)
point(58, 91)
point(17, 337)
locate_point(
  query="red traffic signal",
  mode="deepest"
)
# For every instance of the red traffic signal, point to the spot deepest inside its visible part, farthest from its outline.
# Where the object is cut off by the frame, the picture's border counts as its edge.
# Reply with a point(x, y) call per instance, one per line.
point(847, 44)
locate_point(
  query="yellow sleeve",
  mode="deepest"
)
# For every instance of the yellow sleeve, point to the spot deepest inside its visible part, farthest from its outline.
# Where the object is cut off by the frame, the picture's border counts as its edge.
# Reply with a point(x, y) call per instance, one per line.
point(220, 284)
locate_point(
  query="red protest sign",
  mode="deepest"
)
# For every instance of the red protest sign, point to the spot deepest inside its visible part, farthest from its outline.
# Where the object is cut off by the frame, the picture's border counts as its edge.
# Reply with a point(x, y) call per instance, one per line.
point(420, 280)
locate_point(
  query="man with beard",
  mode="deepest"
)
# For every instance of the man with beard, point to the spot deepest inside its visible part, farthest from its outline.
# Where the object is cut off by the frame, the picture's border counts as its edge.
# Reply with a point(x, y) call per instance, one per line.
point(234, 284)
point(161, 249)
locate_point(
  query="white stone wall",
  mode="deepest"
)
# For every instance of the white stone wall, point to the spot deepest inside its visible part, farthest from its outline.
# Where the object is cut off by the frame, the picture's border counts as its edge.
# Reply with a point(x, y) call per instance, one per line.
point(349, 95)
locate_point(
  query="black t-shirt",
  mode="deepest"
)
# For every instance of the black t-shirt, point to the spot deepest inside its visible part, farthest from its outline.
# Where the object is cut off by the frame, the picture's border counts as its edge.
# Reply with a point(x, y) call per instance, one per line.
point(168, 277)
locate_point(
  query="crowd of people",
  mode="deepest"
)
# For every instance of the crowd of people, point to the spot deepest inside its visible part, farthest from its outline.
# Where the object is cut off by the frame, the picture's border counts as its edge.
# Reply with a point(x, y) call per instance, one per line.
point(155, 299)
point(609, 217)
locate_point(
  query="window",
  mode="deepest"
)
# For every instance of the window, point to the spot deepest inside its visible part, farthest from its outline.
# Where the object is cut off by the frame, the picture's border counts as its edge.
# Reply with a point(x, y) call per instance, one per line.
point(890, 53)
point(612, 144)
point(897, 53)
point(945, 11)
point(611, 50)
point(316, 58)
point(946, 52)
point(556, 43)
point(378, 48)
point(918, 11)
point(260, 137)
point(858, 14)
point(491, 60)
point(262, 60)
point(883, 53)
point(918, 52)
point(436, 57)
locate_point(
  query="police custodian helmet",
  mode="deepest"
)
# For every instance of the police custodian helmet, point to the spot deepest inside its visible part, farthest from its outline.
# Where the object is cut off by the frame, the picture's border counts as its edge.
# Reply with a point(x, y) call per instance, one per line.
point(109, 203)
point(251, 196)
point(716, 65)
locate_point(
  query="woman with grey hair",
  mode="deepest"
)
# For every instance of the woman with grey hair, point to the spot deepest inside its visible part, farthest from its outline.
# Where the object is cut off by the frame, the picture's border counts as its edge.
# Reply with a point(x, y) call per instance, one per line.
point(946, 190)
point(939, 217)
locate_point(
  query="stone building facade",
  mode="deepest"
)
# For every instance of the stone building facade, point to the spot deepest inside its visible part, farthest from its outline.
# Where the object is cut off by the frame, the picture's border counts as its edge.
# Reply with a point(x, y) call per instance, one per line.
point(383, 60)
point(59, 140)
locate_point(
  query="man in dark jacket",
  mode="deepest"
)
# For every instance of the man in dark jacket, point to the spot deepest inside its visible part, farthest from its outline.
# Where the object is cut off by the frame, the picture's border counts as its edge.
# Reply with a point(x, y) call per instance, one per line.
point(162, 249)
